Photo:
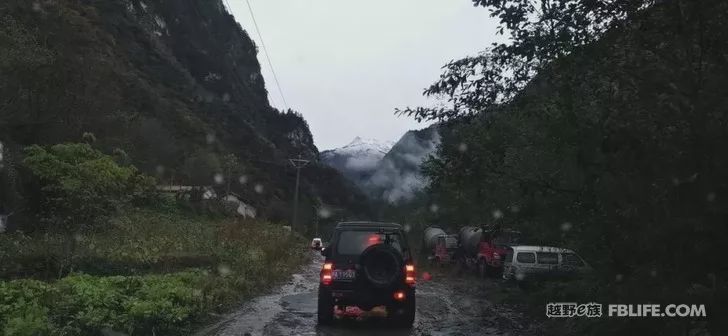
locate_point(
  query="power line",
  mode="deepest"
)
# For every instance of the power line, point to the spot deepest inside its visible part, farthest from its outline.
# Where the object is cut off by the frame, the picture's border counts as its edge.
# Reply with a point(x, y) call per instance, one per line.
point(265, 51)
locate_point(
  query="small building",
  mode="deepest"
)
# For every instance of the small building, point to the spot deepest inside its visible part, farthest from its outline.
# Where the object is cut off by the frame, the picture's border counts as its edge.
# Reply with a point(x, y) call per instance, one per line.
point(243, 209)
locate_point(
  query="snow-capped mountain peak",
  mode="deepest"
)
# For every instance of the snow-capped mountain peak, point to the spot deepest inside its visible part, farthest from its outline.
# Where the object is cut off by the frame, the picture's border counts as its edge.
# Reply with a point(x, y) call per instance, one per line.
point(365, 145)
point(361, 155)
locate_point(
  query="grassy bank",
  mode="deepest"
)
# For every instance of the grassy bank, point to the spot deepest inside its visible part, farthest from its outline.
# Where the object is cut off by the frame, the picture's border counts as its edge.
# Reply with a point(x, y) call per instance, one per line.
point(150, 272)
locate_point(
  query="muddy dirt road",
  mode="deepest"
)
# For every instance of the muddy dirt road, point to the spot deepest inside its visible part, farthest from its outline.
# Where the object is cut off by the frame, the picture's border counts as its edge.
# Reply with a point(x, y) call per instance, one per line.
point(444, 307)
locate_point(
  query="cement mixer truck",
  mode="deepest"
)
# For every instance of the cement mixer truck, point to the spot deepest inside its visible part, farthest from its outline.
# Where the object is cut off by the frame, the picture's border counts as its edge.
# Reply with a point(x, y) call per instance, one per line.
point(439, 246)
point(482, 248)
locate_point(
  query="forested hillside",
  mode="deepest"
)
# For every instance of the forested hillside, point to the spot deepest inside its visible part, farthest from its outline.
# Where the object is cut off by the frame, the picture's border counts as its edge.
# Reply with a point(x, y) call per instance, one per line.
point(601, 127)
point(172, 86)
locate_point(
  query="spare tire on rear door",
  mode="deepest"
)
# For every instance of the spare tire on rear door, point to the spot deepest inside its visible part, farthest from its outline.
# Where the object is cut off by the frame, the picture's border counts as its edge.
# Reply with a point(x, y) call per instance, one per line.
point(382, 265)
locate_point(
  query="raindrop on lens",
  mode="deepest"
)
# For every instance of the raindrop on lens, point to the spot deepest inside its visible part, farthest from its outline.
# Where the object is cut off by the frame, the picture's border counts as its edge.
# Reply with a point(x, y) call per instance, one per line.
point(619, 277)
point(407, 228)
point(259, 188)
point(434, 208)
point(462, 147)
point(710, 197)
point(497, 214)
point(566, 226)
point(210, 138)
point(243, 179)
point(515, 209)
point(219, 179)
point(223, 269)
point(324, 212)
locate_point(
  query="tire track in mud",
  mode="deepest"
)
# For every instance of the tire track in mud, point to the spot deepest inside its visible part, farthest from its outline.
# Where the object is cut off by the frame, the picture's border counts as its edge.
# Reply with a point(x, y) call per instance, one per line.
point(445, 306)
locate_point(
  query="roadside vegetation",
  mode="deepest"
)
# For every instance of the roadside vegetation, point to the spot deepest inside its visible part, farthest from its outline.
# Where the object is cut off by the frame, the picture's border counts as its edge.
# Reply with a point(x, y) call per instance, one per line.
point(599, 126)
point(109, 254)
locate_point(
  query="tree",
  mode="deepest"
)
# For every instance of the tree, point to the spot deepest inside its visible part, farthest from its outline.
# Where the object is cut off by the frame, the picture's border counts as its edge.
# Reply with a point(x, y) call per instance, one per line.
point(80, 185)
point(80, 188)
point(539, 32)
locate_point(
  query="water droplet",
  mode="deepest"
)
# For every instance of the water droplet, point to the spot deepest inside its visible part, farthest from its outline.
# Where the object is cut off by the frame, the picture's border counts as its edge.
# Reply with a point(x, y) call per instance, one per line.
point(224, 270)
point(78, 237)
point(160, 170)
point(324, 212)
point(243, 179)
point(226, 97)
point(407, 228)
point(515, 208)
point(675, 181)
point(619, 277)
point(653, 273)
point(259, 188)
point(497, 214)
point(219, 179)
point(434, 208)
point(463, 147)
point(210, 138)
point(520, 276)
point(566, 226)
point(36, 6)
point(710, 197)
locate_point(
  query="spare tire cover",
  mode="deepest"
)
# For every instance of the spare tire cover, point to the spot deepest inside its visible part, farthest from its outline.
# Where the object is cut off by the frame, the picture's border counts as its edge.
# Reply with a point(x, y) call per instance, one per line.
point(382, 265)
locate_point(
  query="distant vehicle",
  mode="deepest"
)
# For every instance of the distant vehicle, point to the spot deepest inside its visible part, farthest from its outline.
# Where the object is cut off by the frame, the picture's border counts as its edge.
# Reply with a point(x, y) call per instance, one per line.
point(317, 244)
point(439, 246)
point(368, 265)
point(542, 262)
point(483, 248)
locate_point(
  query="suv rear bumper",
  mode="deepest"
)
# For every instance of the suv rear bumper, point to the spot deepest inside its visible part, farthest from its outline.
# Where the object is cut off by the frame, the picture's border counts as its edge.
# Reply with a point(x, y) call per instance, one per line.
point(367, 299)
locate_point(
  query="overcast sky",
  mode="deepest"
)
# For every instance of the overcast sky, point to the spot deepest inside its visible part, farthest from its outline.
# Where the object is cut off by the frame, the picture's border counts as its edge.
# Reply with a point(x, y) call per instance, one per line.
point(346, 65)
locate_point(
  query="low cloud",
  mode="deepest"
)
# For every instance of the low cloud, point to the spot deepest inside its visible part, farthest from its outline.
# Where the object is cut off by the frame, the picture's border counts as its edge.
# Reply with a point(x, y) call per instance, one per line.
point(398, 176)
point(364, 163)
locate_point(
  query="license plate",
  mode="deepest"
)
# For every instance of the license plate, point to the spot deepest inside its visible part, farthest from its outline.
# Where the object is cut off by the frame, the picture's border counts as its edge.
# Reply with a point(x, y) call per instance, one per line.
point(344, 274)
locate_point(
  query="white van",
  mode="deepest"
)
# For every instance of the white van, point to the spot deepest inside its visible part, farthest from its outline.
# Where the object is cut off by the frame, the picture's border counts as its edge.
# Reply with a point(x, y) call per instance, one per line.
point(529, 262)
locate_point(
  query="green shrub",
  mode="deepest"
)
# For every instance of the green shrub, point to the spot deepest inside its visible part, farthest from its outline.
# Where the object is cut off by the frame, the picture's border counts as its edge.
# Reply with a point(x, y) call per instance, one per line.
point(81, 185)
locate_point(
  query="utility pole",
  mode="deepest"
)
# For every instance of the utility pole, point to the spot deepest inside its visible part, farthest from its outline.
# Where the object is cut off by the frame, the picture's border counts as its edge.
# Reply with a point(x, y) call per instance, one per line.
point(298, 164)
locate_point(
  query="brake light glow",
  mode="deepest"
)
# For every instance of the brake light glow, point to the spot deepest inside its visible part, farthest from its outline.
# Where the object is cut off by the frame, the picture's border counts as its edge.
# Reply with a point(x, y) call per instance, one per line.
point(399, 295)
point(410, 277)
point(326, 274)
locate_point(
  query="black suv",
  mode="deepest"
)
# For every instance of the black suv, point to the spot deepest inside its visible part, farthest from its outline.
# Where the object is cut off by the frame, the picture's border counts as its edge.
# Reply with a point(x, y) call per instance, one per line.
point(367, 265)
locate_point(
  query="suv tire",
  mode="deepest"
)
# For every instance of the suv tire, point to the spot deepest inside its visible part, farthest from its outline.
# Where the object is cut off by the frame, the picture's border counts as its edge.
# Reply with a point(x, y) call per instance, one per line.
point(407, 318)
point(325, 313)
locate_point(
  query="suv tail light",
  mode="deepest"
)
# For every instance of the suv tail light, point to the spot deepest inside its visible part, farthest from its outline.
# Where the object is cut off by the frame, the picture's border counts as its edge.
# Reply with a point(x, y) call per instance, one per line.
point(410, 277)
point(326, 273)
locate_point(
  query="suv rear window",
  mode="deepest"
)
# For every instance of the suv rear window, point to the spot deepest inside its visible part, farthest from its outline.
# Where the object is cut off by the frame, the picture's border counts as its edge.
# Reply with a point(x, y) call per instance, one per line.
point(355, 242)
point(572, 259)
point(526, 257)
point(548, 258)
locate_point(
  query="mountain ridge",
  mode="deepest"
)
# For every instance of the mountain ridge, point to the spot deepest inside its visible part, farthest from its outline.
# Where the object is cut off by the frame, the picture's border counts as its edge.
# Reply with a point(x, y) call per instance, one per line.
point(174, 85)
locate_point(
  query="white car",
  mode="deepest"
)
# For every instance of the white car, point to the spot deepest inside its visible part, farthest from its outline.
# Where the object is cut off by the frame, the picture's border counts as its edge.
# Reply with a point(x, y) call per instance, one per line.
point(317, 244)
point(529, 262)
